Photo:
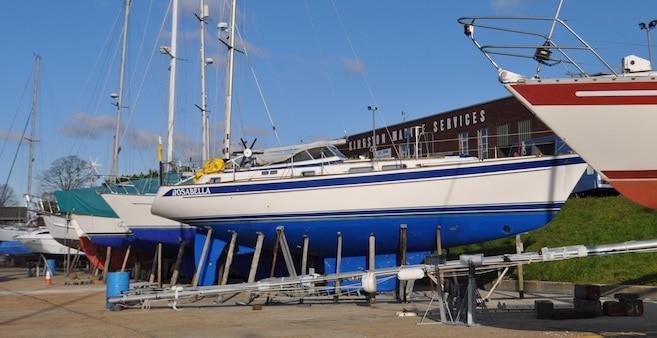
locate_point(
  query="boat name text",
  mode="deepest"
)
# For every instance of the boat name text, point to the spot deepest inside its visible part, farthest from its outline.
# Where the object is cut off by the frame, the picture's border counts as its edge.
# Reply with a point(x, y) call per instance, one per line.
point(191, 191)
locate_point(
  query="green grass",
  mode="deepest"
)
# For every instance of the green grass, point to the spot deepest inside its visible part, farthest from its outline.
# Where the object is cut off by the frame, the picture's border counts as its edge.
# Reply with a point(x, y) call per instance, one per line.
point(587, 221)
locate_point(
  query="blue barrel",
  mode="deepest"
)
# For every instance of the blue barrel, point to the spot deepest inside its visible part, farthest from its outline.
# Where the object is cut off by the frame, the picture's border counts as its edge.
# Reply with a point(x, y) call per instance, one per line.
point(117, 283)
point(52, 264)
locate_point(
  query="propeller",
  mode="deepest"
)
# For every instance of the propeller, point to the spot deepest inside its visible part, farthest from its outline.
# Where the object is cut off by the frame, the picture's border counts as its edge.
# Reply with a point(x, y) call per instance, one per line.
point(93, 164)
point(247, 151)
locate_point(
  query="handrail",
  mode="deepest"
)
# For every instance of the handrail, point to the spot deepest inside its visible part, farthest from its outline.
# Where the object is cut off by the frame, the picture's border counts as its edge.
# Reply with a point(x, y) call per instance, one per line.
point(545, 52)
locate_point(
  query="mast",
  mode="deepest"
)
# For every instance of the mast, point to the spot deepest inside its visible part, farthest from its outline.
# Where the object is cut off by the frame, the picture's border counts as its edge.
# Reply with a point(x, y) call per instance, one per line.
point(119, 97)
point(205, 154)
point(31, 139)
point(228, 104)
point(172, 80)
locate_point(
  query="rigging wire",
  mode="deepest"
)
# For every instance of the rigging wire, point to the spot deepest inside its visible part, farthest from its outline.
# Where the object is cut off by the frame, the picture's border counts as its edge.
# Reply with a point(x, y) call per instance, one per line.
point(11, 125)
point(324, 63)
point(13, 162)
point(364, 74)
point(262, 97)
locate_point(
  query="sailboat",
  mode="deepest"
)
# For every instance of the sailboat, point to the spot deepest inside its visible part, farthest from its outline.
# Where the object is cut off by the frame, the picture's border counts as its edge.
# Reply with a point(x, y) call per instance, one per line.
point(25, 223)
point(42, 242)
point(134, 209)
point(605, 115)
point(101, 233)
point(313, 192)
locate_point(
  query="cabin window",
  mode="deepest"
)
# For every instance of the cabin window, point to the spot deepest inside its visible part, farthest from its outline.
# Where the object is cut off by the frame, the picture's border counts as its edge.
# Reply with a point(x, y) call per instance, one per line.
point(318, 153)
point(361, 169)
point(301, 156)
point(393, 166)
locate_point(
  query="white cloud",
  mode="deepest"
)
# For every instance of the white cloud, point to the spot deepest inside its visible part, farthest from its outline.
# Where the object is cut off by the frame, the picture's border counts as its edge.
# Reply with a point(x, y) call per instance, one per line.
point(352, 66)
point(11, 137)
point(505, 6)
point(82, 124)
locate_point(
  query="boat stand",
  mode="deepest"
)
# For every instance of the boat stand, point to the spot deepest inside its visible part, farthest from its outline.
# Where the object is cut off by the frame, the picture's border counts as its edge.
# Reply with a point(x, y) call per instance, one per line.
point(460, 308)
point(461, 301)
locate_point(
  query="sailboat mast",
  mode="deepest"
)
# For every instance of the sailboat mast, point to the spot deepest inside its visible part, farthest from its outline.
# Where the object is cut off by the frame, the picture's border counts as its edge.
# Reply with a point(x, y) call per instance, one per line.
point(119, 98)
point(228, 104)
point(172, 80)
point(204, 118)
point(32, 140)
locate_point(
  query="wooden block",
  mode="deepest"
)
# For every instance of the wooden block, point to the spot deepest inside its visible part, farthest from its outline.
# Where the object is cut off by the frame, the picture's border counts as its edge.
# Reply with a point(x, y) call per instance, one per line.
point(633, 308)
point(613, 308)
point(587, 292)
point(592, 305)
point(543, 309)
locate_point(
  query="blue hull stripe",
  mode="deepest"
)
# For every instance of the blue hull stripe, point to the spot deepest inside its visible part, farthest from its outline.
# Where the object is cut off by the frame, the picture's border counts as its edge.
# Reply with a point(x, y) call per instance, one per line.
point(411, 212)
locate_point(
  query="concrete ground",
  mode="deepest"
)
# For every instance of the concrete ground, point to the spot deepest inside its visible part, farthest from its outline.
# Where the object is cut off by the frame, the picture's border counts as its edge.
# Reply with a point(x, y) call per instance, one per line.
point(31, 308)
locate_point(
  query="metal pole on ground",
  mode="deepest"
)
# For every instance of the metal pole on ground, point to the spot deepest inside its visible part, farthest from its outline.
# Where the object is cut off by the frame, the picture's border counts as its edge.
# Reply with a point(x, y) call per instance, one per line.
point(125, 259)
point(371, 263)
point(256, 257)
point(304, 256)
point(159, 265)
point(201, 261)
point(76, 258)
point(402, 261)
point(471, 295)
point(441, 274)
point(151, 278)
point(108, 254)
point(275, 254)
point(179, 257)
point(521, 279)
point(287, 256)
point(229, 258)
point(338, 261)
point(68, 261)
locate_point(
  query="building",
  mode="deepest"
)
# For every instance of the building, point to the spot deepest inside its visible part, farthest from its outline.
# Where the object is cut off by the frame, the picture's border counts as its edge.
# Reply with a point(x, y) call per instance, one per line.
point(13, 215)
point(485, 130)
point(498, 128)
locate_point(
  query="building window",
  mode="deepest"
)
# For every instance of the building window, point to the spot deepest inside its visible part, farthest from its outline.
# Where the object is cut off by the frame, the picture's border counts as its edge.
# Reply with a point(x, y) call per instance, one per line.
point(463, 143)
point(503, 135)
point(482, 141)
point(524, 130)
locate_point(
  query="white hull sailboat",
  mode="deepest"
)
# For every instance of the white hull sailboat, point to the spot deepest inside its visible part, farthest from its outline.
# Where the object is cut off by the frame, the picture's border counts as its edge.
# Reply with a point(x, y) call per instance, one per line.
point(313, 192)
point(41, 242)
point(606, 116)
point(61, 230)
point(135, 211)
point(472, 200)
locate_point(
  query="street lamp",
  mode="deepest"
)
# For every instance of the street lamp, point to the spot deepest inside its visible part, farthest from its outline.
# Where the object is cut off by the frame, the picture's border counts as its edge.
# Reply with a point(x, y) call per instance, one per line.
point(373, 110)
point(652, 24)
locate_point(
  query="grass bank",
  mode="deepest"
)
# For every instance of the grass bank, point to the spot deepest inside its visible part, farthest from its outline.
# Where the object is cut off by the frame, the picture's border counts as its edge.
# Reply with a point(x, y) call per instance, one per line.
point(587, 221)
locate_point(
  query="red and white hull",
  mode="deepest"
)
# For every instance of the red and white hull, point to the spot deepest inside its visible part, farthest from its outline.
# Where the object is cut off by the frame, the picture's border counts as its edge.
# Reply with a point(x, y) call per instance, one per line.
point(610, 122)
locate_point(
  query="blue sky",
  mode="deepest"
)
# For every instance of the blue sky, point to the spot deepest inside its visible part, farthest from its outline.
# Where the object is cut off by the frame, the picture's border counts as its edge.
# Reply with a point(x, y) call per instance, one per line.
point(318, 63)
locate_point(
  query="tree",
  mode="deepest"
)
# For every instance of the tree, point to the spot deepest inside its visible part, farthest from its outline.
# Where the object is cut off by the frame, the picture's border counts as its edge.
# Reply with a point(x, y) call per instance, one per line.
point(65, 173)
point(7, 196)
